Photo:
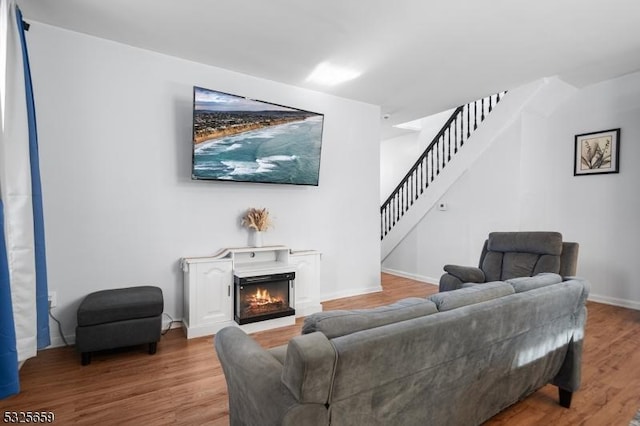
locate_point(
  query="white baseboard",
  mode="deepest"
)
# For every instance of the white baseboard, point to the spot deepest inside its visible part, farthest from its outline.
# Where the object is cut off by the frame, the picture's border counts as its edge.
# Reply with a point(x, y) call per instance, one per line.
point(57, 342)
point(306, 309)
point(421, 278)
point(614, 301)
point(350, 293)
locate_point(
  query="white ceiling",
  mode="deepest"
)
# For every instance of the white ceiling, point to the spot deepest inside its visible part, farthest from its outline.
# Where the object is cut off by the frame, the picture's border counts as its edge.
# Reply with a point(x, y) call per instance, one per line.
point(417, 57)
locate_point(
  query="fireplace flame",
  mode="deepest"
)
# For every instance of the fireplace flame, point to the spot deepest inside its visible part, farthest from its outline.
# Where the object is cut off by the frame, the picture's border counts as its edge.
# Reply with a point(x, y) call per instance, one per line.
point(262, 297)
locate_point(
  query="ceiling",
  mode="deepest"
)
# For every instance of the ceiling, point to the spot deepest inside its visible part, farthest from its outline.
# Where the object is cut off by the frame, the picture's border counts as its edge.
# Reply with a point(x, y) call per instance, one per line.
point(417, 57)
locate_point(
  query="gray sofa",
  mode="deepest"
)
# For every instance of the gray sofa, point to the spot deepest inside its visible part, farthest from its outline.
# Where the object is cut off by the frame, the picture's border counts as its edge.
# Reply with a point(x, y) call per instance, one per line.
point(455, 358)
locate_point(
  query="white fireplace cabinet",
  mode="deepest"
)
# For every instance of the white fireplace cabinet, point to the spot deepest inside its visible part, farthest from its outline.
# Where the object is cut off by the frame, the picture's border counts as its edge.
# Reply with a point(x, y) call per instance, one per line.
point(209, 286)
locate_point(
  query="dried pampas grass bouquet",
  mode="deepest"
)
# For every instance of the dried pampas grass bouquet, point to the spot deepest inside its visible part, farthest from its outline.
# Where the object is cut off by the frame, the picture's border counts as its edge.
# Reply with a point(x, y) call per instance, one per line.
point(257, 219)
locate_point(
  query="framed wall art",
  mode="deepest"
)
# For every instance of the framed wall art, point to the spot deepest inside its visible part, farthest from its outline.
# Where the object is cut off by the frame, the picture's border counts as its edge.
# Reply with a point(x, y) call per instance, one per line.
point(597, 153)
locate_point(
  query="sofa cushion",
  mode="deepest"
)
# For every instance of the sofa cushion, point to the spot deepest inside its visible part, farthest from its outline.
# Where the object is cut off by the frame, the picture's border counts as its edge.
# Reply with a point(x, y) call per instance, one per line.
point(470, 295)
point(500, 266)
point(341, 322)
point(120, 304)
point(529, 283)
point(518, 265)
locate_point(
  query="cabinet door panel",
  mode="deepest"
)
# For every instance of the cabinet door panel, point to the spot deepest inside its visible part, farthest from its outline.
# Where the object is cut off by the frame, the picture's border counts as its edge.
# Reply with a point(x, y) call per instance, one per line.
point(213, 298)
point(307, 283)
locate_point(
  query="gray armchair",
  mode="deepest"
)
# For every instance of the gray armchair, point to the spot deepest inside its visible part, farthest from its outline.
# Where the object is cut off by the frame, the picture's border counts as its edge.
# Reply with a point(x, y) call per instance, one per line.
point(507, 255)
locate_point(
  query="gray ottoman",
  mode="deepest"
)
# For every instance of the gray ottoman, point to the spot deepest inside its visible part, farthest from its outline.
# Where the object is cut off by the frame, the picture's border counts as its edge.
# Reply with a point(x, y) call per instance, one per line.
point(121, 317)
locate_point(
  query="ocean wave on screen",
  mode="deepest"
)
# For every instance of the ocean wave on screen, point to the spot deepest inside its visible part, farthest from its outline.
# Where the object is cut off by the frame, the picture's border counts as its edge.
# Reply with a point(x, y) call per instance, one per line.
point(233, 147)
point(239, 167)
point(202, 167)
point(224, 143)
point(207, 169)
point(211, 145)
point(199, 148)
point(278, 158)
point(266, 133)
point(264, 166)
point(247, 167)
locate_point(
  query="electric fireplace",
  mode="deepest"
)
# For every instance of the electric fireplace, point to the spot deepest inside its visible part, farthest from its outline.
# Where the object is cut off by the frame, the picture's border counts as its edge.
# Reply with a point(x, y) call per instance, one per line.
point(263, 297)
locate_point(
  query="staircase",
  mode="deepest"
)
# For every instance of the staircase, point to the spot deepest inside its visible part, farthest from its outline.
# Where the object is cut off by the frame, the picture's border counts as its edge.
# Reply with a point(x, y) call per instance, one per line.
point(445, 145)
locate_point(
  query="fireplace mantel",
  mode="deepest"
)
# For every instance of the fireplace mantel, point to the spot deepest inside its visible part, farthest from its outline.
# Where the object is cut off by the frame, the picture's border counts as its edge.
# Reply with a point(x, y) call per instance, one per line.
point(259, 260)
point(208, 285)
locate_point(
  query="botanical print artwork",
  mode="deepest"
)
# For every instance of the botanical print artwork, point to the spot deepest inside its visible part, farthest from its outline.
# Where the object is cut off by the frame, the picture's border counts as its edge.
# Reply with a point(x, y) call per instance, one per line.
point(595, 153)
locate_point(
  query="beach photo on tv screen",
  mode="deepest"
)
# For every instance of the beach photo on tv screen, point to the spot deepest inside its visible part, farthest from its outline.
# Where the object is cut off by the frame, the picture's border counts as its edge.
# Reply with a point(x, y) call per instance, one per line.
point(244, 140)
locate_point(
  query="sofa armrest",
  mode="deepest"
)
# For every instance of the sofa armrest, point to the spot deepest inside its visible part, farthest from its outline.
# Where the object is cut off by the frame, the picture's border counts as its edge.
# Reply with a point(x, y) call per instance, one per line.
point(309, 368)
point(448, 283)
point(570, 374)
point(466, 274)
point(256, 392)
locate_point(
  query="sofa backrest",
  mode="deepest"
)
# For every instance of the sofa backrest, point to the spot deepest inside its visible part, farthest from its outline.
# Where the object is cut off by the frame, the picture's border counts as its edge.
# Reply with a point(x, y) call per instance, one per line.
point(529, 283)
point(340, 322)
point(520, 254)
point(448, 300)
point(460, 366)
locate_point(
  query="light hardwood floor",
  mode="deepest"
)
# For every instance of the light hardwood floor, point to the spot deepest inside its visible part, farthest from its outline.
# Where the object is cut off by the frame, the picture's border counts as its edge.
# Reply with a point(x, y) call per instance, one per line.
point(183, 384)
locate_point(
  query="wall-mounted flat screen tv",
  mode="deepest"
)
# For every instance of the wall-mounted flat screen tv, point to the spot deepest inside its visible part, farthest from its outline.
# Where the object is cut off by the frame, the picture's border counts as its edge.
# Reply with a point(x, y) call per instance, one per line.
point(244, 140)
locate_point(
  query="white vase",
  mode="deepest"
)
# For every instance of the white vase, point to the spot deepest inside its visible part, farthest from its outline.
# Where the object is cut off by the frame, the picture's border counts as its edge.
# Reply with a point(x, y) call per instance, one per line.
point(257, 239)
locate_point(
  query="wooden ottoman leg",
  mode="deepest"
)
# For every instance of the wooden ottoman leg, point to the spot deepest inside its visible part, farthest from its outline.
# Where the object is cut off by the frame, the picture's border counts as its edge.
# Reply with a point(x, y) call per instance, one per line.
point(153, 346)
point(86, 358)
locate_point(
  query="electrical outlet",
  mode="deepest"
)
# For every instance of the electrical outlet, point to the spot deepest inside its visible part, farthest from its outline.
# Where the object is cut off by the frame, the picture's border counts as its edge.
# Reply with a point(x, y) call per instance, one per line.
point(53, 299)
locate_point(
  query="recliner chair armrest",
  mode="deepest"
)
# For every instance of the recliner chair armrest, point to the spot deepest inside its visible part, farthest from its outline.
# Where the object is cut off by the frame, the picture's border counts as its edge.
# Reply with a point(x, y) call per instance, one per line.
point(457, 275)
point(569, 259)
point(466, 274)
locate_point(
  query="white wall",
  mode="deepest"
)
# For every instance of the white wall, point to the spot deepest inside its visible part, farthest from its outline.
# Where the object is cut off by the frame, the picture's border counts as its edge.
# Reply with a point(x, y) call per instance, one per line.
point(525, 182)
point(120, 207)
point(600, 211)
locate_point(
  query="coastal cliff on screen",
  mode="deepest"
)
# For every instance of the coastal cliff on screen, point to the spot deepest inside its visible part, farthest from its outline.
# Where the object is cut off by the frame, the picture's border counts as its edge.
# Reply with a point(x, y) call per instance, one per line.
point(240, 139)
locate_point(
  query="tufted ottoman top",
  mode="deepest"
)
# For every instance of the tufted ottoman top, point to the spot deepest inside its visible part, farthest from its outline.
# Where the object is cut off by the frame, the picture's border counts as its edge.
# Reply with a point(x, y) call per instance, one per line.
point(120, 304)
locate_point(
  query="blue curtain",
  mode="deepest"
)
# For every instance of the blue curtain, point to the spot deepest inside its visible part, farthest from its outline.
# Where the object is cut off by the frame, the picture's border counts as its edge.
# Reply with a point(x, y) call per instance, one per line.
point(9, 348)
point(42, 292)
point(9, 383)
